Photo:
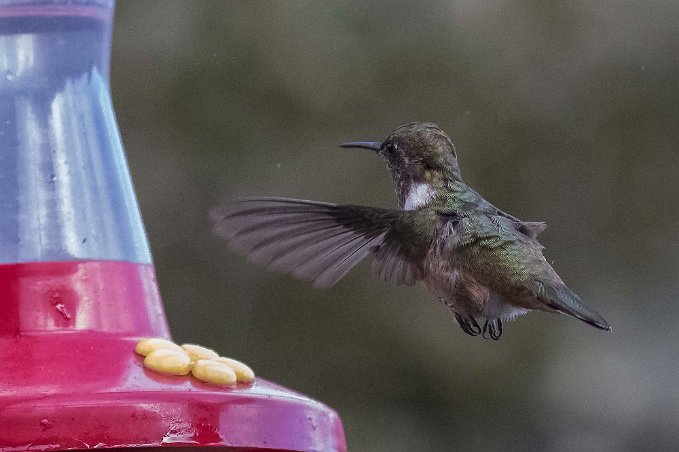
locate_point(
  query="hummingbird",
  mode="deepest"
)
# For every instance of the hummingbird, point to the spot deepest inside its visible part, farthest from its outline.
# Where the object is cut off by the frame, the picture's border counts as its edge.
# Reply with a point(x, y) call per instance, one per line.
point(484, 264)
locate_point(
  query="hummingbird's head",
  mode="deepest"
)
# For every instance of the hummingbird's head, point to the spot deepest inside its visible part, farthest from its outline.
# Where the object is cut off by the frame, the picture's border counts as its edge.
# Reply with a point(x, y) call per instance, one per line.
point(421, 159)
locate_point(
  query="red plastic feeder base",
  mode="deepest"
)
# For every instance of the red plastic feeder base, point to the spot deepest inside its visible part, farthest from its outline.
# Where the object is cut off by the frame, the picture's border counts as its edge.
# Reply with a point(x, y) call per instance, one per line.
point(68, 381)
point(64, 392)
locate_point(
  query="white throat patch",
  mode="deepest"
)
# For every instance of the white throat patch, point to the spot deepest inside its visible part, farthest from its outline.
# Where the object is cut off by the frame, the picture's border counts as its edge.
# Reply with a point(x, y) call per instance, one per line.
point(418, 196)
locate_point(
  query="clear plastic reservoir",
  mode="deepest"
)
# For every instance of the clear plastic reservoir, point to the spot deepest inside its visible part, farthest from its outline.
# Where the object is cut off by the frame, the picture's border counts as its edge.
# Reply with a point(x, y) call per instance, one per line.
point(65, 190)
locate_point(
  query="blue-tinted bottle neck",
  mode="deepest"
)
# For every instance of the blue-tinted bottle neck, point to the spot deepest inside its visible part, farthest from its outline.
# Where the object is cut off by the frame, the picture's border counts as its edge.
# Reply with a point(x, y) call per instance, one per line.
point(65, 188)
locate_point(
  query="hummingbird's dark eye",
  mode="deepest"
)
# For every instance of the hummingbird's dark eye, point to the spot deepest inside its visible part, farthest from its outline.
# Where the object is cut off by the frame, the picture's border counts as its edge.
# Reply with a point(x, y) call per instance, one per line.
point(391, 147)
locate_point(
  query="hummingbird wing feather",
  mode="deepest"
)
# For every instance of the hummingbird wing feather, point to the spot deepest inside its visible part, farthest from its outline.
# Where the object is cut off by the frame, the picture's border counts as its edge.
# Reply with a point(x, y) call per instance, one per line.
point(399, 258)
point(529, 228)
point(396, 263)
point(316, 241)
point(532, 228)
point(509, 261)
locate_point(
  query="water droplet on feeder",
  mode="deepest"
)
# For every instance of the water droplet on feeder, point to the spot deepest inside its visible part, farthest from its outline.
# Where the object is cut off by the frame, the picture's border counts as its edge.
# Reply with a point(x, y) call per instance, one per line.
point(46, 424)
point(61, 309)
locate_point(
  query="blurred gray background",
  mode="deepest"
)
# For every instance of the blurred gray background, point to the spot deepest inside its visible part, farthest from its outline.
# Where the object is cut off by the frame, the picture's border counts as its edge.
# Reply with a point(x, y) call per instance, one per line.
point(561, 111)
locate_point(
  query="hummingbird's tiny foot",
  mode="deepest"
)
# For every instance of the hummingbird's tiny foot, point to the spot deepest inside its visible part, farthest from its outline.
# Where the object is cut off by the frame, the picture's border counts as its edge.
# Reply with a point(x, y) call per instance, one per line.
point(485, 330)
point(468, 325)
point(475, 326)
point(492, 329)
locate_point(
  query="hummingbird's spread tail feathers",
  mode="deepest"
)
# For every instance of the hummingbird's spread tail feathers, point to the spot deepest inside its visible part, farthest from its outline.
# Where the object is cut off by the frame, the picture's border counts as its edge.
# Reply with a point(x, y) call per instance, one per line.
point(314, 241)
point(566, 301)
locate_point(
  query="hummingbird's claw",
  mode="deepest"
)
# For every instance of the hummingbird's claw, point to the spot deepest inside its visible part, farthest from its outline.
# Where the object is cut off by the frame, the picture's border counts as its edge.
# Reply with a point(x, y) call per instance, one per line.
point(493, 329)
point(468, 325)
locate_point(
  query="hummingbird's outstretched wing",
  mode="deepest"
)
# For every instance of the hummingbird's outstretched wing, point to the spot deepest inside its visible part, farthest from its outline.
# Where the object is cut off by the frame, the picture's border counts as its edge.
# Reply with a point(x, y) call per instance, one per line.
point(321, 241)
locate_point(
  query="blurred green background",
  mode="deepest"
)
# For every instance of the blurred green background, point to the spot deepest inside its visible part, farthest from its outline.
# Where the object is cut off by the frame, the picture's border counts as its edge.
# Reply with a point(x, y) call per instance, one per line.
point(561, 111)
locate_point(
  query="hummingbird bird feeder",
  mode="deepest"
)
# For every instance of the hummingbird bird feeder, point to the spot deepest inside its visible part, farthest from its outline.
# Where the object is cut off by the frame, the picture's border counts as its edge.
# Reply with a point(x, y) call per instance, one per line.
point(77, 282)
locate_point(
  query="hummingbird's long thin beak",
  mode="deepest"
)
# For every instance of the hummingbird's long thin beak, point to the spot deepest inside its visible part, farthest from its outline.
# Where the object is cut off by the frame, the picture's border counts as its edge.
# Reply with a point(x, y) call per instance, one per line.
point(372, 145)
